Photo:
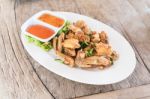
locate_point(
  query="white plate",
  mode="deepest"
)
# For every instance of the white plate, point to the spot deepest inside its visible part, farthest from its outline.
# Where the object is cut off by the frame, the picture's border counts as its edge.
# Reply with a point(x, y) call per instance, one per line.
point(121, 69)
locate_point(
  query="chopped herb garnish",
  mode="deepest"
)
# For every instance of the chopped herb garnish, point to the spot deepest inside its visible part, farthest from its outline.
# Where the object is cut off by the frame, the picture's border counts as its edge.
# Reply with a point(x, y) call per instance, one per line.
point(84, 44)
point(89, 52)
point(59, 60)
point(111, 60)
point(65, 29)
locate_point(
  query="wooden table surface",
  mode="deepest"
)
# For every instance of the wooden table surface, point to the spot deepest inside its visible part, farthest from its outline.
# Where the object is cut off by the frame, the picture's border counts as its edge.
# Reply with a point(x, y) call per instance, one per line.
point(23, 78)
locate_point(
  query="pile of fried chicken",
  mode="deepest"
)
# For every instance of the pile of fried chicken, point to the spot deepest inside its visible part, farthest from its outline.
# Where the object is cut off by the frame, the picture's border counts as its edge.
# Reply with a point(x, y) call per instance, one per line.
point(81, 47)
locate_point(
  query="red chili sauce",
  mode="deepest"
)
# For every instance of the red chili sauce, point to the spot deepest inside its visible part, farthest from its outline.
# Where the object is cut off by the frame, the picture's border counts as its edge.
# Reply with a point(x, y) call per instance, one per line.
point(40, 31)
point(52, 20)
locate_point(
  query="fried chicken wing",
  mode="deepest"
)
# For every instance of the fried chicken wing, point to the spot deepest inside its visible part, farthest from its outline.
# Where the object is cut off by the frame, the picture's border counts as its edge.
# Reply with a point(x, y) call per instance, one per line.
point(70, 35)
point(79, 60)
point(55, 43)
point(60, 40)
point(95, 38)
point(97, 61)
point(70, 52)
point(103, 37)
point(74, 28)
point(71, 43)
point(103, 49)
point(66, 58)
point(80, 24)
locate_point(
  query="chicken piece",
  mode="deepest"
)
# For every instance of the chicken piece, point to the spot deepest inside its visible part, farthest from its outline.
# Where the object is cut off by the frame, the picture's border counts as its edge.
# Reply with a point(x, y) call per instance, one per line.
point(103, 37)
point(60, 40)
point(74, 28)
point(55, 43)
point(70, 35)
point(101, 67)
point(81, 37)
point(80, 24)
point(78, 35)
point(80, 54)
point(71, 43)
point(103, 49)
point(86, 30)
point(83, 26)
point(66, 62)
point(67, 59)
point(114, 55)
point(70, 52)
point(79, 60)
point(97, 61)
point(95, 38)
point(86, 38)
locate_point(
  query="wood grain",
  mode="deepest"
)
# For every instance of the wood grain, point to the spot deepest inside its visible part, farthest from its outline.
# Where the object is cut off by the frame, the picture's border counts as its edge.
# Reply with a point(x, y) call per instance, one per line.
point(26, 78)
point(141, 92)
point(18, 77)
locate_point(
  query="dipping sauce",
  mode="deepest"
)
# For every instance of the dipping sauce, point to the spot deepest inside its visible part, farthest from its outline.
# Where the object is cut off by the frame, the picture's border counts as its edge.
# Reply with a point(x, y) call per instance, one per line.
point(52, 20)
point(40, 31)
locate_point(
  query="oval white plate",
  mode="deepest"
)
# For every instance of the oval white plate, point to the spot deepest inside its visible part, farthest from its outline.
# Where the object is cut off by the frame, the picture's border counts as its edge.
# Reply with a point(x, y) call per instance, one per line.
point(121, 69)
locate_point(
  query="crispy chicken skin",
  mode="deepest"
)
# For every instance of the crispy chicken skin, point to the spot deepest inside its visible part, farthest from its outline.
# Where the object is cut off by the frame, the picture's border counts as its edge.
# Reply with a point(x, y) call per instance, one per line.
point(82, 37)
point(92, 61)
point(80, 24)
point(97, 61)
point(83, 26)
point(103, 37)
point(103, 49)
point(79, 60)
point(74, 28)
point(86, 30)
point(95, 38)
point(69, 60)
point(80, 54)
point(55, 43)
point(60, 40)
point(70, 52)
point(71, 43)
point(114, 55)
point(70, 35)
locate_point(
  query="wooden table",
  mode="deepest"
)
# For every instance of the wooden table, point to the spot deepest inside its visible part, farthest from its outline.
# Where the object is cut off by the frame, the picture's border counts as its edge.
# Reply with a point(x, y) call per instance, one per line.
point(23, 78)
